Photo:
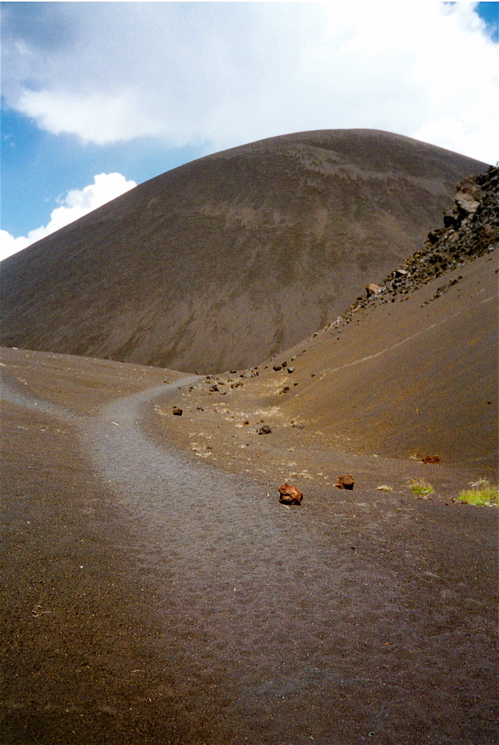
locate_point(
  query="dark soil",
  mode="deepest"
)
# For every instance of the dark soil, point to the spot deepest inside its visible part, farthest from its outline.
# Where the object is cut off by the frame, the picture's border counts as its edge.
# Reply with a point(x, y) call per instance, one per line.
point(151, 598)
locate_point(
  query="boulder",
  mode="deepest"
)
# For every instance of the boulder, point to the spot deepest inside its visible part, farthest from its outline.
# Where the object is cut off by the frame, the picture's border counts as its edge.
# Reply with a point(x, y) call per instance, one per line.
point(345, 482)
point(177, 412)
point(373, 289)
point(290, 494)
point(465, 203)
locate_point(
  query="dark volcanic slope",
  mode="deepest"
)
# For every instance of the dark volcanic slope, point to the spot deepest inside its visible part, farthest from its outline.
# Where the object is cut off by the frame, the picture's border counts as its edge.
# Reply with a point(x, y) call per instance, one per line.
point(409, 372)
point(229, 259)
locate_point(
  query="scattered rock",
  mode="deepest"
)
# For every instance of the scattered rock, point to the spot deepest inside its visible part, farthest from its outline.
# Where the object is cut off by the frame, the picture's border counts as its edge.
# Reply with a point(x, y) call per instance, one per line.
point(373, 289)
point(285, 389)
point(265, 430)
point(431, 459)
point(290, 494)
point(291, 369)
point(277, 368)
point(345, 482)
point(214, 388)
point(177, 412)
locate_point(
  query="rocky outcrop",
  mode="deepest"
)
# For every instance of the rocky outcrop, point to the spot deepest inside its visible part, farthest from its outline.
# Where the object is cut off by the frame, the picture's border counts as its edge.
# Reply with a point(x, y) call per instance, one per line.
point(470, 230)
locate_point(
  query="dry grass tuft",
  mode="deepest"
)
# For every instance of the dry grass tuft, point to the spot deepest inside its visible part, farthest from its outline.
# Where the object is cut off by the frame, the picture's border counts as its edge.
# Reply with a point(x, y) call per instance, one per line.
point(481, 493)
point(421, 487)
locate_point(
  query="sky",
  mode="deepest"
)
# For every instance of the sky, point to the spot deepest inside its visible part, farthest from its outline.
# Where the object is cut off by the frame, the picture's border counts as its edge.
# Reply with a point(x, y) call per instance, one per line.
point(99, 97)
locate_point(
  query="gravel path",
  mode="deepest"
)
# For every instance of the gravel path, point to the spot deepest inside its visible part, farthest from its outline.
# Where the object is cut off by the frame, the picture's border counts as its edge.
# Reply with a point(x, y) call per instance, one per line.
point(340, 621)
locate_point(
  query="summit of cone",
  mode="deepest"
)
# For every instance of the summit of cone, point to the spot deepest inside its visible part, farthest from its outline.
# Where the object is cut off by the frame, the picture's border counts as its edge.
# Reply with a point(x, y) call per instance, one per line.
point(232, 258)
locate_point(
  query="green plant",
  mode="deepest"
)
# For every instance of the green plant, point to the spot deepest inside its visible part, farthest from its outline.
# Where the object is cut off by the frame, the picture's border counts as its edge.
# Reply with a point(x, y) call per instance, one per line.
point(421, 487)
point(481, 493)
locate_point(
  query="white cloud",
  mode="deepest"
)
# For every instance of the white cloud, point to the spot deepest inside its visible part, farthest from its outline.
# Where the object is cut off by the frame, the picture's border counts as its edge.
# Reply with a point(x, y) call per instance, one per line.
point(76, 204)
point(10, 245)
point(221, 74)
point(114, 117)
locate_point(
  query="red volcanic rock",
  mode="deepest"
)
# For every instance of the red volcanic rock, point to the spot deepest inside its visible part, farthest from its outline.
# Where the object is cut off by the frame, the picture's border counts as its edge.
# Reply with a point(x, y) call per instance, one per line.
point(431, 459)
point(290, 494)
point(345, 482)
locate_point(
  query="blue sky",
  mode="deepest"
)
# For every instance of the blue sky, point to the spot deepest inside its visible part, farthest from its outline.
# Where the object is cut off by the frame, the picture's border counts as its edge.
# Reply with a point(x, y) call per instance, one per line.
point(97, 97)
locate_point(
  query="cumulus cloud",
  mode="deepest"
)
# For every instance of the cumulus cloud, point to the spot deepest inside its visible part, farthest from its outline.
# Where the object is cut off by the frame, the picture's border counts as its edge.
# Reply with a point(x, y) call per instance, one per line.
point(114, 117)
point(221, 74)
point(76, 204)
point(10, 245)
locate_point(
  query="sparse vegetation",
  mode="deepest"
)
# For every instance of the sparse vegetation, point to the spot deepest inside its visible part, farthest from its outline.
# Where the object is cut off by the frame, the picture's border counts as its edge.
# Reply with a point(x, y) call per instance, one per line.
point(421, 487)
point(482, 492)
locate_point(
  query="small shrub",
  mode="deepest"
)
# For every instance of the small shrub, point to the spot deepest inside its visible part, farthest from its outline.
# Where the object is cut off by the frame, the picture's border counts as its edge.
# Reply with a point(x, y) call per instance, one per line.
point(481, 493)
point(421, 487)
